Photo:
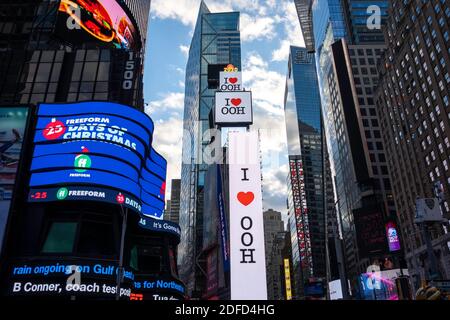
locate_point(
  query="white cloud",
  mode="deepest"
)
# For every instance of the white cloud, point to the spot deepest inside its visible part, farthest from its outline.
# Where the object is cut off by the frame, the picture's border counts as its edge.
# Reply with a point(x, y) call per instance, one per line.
point(184, 49)
point(171, 101)
point(292, 32)
point(282, 53)
point(256, 28)
point(267, 86)
point(167, 141)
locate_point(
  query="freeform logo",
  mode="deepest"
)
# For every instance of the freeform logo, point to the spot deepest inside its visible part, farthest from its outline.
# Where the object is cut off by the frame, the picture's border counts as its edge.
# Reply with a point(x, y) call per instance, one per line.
point(62, 193)
point(82, 161)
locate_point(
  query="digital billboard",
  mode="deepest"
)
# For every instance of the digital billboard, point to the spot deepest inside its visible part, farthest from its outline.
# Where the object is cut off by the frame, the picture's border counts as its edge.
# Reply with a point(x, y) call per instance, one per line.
point(104, 21)
point(99, 144)
point(13, 121)
point(392, 236)
point(370, 231)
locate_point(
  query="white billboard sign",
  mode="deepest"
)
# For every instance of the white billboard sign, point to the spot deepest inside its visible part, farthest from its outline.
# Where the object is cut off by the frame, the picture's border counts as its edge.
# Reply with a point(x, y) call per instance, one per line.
point(428, 210)
point(335, 290)
point(230, 81)
point(234, 107)
point(247, 256)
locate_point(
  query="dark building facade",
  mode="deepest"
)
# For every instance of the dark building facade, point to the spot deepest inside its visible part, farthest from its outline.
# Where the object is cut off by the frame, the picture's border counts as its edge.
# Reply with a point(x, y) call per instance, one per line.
point(57, 52)
point(173, 214)
point(349, 43)
point(215, 44)
point(273, 231)
point(412, 103)
point(310, 197)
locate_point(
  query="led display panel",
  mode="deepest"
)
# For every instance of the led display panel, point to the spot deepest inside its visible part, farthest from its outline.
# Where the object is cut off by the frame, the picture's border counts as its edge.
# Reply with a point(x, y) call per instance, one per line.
point(102, 21)
point(98, 144)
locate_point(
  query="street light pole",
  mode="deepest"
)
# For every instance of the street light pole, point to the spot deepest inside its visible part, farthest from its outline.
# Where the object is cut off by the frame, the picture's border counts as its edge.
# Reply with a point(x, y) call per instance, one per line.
point(122, 245)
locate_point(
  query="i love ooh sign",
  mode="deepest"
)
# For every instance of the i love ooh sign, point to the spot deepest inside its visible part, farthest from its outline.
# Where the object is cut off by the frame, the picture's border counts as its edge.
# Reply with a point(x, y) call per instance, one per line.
point(247, 255)
point(233, 105)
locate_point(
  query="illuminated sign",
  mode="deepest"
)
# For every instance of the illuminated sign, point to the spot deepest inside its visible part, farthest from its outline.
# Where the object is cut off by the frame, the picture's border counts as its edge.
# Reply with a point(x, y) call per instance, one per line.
point(76, 193)
point(161, 226)
point(99, 144)
point(105, 21)
point(62, 278)
point(230, 68)
point(247, 255)
point(370, 231)
point(301, 215)
point(392, 236)
point(233, 107)
point(287, 279)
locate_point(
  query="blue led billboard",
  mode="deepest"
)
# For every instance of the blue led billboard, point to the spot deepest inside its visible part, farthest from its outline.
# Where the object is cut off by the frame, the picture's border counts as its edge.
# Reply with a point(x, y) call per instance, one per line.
point(98, 144)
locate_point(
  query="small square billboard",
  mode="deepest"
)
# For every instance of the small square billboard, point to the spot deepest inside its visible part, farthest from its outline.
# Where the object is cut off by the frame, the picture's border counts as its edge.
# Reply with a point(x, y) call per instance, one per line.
point(233, 108)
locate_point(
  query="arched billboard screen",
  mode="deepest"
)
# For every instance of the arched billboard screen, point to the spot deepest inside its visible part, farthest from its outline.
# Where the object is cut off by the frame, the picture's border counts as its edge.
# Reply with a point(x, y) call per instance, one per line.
point(104, 21)
point(97, 144)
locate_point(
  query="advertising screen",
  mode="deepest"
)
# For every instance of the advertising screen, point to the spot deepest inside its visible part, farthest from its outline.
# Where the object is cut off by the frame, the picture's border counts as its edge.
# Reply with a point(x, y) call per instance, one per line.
point(13, 122)
point(104, 21)
point(370, 231)
point(380, 285)
point(392, 236)
point(99, 144)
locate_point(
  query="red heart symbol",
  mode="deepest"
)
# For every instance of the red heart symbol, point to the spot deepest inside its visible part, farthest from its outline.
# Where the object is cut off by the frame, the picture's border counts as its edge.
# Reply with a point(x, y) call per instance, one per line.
point(245, 197)
point(233, 80)
point(236, 102)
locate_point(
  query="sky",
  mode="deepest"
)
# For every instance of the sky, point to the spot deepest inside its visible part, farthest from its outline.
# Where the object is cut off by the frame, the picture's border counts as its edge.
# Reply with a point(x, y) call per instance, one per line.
point(268, 28)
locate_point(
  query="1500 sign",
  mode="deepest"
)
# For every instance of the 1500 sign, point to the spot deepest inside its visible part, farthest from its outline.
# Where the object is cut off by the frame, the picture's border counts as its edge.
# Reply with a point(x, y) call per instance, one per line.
point(128, 75)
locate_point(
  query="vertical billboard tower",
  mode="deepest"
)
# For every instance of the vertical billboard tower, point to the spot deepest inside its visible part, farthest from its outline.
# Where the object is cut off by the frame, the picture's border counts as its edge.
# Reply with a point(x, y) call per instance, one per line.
point(233, 112)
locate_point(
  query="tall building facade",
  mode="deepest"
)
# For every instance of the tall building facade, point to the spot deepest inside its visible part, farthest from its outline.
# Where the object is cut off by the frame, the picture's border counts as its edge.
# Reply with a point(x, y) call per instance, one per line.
point(215, 44)
point(173, 213)
point(40, 63)
point(348, 45)
point(48, 54)
point(273, 226)
point(310, 198)
point(412, 103)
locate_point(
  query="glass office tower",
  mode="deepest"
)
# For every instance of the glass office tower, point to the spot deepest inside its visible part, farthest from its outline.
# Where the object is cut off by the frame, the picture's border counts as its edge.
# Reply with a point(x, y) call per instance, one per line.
point(310, 196)
point(215, 43)
point(348, 48)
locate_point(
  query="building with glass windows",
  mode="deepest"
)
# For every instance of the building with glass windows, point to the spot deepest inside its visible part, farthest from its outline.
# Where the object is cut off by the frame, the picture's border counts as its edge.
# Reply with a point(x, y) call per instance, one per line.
point(310, 197)
point(46, 56)
point(413, 103)
point(215, 44)
point(348, 45)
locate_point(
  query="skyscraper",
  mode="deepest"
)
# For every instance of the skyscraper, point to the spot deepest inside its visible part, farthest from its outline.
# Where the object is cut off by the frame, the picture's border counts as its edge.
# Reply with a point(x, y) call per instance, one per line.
point(273, 226)
point(173, 213)
point(48, 54)
point(42, 60)
point(215, 44)
point(412, 103)
point(310, 197)
point(349, 43)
